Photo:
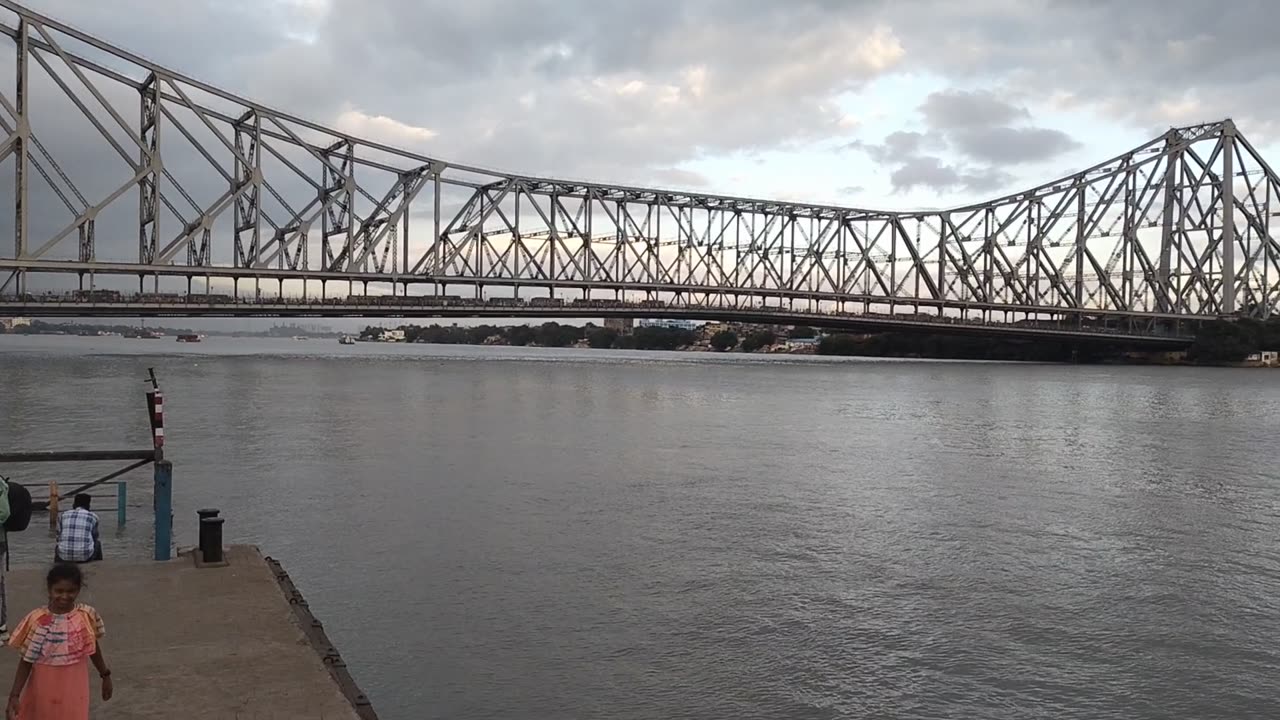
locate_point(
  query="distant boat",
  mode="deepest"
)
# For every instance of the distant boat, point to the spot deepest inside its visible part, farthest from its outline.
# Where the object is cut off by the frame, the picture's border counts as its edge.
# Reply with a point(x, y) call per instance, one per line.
point(347, 340)
point(301, 337)
point(189, 338)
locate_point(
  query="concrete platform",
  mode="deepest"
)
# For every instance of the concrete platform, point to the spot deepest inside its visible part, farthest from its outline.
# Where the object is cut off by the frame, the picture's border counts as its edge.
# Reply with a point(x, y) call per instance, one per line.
point(197, 643)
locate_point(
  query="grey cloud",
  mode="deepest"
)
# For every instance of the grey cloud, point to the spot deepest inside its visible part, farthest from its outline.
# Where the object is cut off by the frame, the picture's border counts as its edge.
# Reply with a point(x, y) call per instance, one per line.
point(1141, 62)
point(638, 88)
point(418, 60)
point(200, 37)
point(904, 153)
point(979, 124)
point(969, 109)
point(974, 125)
point(1009, 146)
point(932, 173)
point(681, 178)
point(896, 145)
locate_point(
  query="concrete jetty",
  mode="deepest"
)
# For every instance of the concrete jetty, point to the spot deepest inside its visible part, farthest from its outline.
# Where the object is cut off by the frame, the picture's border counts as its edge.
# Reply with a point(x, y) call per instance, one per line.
point(201, 643)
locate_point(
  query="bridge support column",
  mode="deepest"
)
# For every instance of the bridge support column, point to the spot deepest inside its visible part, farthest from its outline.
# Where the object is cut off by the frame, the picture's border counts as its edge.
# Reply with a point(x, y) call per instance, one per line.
point(1228, 219)
point(21, 148)
point(1173, 163)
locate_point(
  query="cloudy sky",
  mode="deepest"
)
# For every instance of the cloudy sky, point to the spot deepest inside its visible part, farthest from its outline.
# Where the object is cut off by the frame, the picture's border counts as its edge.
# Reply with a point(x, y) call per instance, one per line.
point(902, 104)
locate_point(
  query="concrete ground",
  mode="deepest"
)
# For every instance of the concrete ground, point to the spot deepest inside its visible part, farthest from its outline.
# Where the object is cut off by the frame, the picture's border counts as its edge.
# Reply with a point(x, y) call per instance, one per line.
point(194, 643)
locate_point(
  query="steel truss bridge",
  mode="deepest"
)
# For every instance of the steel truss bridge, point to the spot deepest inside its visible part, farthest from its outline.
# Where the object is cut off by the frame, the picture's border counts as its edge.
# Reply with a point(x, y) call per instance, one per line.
point(141, 191)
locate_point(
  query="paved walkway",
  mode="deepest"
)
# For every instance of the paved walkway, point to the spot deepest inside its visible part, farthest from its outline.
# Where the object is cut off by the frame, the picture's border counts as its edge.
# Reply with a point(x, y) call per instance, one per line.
point(192, 643)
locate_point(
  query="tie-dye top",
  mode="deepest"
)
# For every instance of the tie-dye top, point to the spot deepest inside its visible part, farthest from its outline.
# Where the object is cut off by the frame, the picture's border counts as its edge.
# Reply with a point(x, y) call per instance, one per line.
point(46, 638)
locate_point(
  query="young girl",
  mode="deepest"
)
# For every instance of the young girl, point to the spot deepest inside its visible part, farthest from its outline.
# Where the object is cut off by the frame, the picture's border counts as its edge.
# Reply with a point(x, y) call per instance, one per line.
point(57, 642)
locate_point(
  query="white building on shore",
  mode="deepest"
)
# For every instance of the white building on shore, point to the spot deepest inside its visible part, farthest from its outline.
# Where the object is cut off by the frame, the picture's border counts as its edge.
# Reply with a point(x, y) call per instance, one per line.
point(672, 323)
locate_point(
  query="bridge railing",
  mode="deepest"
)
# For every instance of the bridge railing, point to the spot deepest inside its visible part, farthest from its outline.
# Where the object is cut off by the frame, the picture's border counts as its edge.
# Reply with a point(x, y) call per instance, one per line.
point(558, 306)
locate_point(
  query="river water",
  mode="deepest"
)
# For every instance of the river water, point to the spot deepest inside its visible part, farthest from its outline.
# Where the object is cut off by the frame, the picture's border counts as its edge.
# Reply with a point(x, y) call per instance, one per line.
point(524, 533)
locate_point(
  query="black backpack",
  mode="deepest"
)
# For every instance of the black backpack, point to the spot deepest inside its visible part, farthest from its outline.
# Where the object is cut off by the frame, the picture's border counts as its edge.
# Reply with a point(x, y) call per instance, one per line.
point(19, 507)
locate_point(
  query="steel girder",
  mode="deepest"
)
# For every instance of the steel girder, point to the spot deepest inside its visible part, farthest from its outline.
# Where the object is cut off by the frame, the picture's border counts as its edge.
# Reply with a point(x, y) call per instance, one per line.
point(1177, 227)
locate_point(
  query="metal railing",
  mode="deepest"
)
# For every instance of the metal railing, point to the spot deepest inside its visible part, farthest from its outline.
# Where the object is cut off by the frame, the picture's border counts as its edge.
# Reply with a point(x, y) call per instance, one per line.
point(137, 458)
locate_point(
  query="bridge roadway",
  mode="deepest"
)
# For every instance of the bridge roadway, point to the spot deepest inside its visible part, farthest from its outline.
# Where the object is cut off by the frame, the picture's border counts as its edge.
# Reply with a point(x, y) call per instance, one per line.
point(247, 277)
point(1027, 330)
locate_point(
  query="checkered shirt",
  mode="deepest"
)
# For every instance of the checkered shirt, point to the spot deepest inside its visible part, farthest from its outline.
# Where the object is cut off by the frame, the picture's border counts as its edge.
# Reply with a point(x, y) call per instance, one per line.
point(77, 529)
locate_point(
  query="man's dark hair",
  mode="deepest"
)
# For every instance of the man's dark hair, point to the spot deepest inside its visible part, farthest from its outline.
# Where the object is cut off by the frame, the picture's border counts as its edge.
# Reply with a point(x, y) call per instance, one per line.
point(82, 501)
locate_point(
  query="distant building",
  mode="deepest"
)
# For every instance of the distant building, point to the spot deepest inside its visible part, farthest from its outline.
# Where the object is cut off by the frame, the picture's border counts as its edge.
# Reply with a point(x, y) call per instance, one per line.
point(677, 324)
point(622, 325)
point(710, 329)
point(1266, 358)
point(10, 324)
point(387, 335)
point(801, 343)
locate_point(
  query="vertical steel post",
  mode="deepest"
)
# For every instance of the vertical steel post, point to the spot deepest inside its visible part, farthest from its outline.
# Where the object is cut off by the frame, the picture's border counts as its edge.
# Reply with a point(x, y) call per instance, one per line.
point(942, 262)
point(149, 184)
point(435, 238)
point(248, 185)
point(122, 502)
point(1173, 163)
point(1082, 237)
point(20, 165)
point(164, 509)
point(404, 227)
point(1228, 219)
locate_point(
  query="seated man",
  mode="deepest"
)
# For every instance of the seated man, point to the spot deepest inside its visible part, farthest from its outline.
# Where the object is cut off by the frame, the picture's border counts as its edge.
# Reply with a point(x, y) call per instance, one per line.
point(78, 534)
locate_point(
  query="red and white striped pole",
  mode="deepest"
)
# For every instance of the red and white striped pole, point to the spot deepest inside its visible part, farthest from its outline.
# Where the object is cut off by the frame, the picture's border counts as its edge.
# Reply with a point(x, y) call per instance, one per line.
point(155, 407)
point(157, 419)
point(162, 500)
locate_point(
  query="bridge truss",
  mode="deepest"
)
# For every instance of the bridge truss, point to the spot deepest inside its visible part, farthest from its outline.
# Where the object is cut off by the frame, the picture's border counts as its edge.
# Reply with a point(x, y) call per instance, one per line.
point(128, 172)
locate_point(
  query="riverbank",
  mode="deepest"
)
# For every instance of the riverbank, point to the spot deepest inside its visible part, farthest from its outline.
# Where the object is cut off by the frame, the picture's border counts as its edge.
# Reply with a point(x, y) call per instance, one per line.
point(755, 339)
point(1221, 343)
point(42, 327)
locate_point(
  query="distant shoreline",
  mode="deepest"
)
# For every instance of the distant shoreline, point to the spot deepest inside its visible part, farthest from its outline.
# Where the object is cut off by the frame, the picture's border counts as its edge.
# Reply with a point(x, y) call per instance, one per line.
point(40, 327)
point(734, 339)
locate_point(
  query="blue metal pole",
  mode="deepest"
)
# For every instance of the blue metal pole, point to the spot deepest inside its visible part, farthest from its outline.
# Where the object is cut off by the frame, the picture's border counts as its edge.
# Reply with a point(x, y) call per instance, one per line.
point(164, 509)
point(122, 499)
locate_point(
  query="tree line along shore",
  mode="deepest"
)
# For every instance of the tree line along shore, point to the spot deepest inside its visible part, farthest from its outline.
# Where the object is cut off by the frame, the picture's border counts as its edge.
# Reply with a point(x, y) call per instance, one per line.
point(1218, 342)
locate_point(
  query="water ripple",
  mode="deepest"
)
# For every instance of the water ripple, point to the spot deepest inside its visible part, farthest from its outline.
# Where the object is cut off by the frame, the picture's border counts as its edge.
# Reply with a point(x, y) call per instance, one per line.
point(497, 533)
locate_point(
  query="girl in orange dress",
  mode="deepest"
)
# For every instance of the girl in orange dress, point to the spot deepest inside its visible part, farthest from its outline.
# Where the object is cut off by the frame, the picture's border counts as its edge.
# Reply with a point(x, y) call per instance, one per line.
point(57, 643)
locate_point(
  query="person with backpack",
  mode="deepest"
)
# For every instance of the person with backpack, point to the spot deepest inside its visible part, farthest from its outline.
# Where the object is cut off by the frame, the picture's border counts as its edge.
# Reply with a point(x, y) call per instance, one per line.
point(4, 558)
point(15, 515)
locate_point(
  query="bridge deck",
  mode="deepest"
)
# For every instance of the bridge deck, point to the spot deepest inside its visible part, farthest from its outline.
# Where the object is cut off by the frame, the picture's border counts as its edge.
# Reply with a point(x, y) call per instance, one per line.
point(196, 642)
point(766, 315)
